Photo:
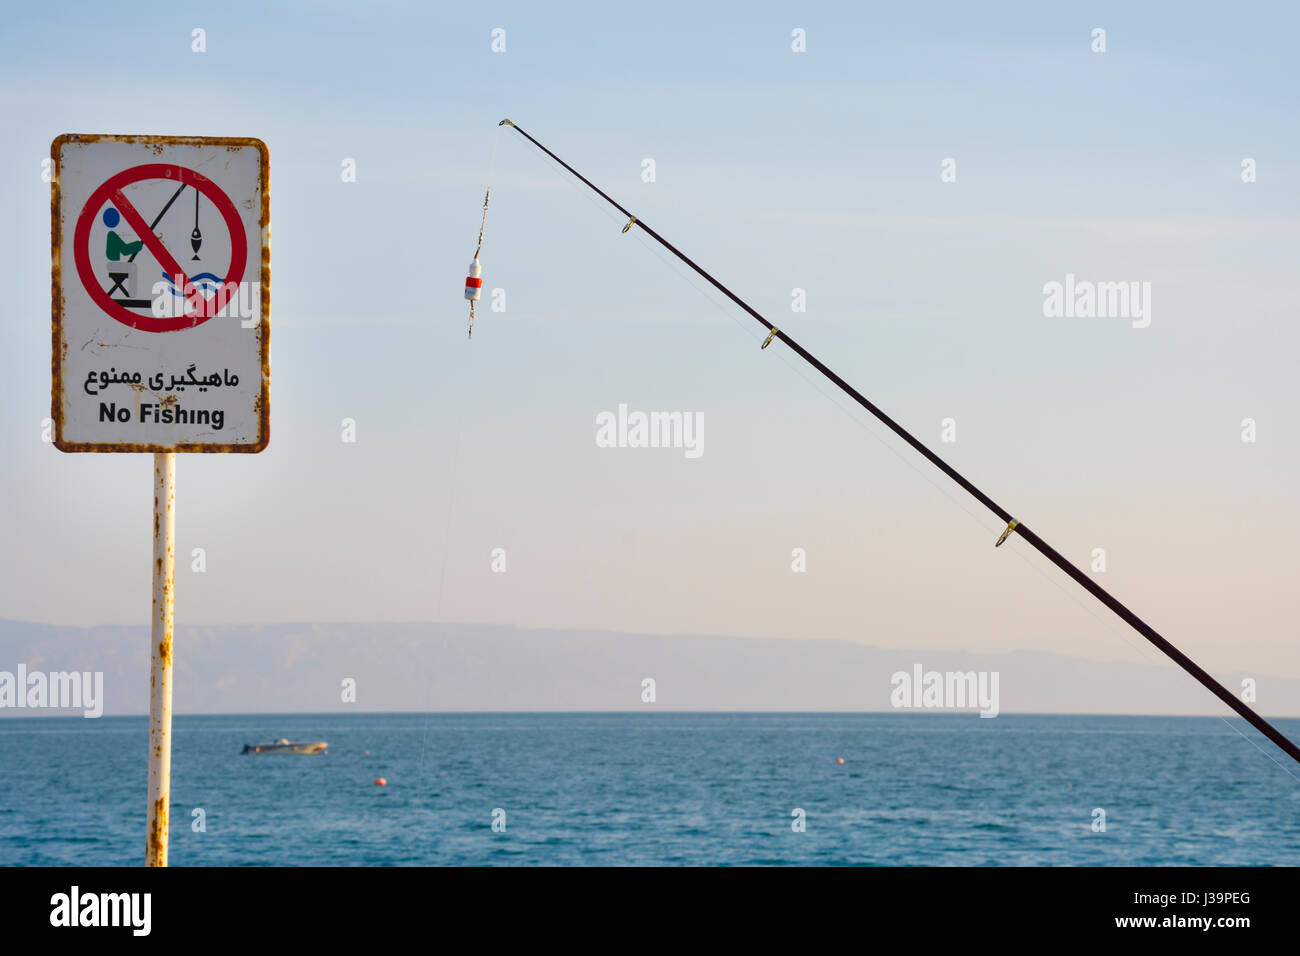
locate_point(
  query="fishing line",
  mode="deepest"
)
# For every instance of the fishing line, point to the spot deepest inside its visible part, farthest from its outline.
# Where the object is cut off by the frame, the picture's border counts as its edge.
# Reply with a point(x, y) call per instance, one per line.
point(1014, 525)
point(474, 280)
point(475, 273)
point(442, 573)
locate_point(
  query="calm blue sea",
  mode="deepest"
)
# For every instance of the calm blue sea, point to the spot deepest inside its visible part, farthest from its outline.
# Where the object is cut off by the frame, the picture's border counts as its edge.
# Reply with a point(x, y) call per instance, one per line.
point(657, 789)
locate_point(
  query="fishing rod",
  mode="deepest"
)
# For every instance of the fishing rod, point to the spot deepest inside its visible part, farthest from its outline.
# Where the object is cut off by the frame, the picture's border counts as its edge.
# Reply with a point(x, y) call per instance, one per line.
point(1013, 524)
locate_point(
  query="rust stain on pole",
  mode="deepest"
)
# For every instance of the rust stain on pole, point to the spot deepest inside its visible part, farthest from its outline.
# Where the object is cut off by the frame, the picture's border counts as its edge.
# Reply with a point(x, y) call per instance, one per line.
point(160, 671)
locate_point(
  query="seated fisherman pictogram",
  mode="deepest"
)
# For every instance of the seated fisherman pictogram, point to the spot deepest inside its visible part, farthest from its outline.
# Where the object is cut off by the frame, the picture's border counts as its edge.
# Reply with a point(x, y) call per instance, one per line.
point(120, 272)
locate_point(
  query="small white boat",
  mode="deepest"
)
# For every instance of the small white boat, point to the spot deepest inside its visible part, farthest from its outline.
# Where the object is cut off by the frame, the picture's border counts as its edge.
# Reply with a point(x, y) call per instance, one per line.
point(286, 746)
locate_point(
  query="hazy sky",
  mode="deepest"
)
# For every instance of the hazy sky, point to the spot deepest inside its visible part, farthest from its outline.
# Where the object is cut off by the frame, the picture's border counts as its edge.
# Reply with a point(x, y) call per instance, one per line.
point(776, 170)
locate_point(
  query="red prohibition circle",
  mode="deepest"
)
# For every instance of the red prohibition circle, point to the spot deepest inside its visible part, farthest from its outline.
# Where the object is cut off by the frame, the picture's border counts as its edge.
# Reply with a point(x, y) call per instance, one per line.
point(201, 308)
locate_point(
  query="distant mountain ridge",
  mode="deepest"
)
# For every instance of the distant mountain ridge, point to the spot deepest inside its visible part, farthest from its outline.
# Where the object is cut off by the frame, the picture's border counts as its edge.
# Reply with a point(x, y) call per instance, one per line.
point(301, 668)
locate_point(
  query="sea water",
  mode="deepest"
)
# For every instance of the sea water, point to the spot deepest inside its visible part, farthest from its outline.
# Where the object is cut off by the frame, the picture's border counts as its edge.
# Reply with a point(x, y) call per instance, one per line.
point(658, 788)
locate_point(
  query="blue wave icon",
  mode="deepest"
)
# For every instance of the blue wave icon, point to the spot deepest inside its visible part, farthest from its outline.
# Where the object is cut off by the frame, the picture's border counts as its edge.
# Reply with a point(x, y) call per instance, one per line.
point(205, 282)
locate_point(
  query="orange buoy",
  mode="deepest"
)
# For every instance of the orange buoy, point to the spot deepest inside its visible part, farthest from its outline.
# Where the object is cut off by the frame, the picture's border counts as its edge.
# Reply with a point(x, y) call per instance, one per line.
point(839, 760)
point(380, 782)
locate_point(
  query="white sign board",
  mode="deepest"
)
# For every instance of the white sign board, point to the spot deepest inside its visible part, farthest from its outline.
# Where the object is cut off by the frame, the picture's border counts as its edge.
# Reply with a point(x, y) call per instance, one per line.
point(161, 256)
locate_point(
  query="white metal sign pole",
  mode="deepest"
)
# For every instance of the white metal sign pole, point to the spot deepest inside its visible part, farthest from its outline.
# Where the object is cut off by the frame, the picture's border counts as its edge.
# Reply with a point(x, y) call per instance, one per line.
point(160, 669)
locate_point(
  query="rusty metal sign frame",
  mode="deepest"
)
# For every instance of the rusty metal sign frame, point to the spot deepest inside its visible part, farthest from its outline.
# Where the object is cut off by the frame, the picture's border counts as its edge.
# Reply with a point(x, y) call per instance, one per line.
point(59, 346)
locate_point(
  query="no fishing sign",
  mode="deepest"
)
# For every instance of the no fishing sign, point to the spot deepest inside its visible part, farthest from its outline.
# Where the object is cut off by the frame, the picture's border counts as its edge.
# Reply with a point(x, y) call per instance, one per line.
point(161, 286)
